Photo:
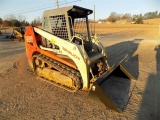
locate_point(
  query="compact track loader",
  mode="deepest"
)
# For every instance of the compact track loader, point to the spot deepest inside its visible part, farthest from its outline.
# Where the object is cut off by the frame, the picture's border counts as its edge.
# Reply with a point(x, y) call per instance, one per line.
point(19, 33)
point(66, 54)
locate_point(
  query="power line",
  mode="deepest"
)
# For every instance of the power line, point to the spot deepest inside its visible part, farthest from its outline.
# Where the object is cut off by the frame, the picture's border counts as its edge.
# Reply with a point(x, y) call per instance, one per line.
point(27, 8)
point(25, 11)
point(33, 8)
point(57, 3)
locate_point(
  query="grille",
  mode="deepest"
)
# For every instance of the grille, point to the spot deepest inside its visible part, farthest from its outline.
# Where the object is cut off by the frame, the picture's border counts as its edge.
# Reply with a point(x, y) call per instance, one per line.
point(58, 25)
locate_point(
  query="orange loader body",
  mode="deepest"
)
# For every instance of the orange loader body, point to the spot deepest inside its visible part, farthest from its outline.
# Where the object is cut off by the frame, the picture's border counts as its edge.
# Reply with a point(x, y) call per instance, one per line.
point(32, 41)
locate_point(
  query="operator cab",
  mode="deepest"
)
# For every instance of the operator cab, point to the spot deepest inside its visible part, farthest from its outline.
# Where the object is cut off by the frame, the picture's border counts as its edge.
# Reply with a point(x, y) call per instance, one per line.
point(68, 22)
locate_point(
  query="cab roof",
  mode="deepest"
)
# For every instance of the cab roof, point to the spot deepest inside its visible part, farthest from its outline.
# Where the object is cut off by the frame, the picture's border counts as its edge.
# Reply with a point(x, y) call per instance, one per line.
point(74, 11)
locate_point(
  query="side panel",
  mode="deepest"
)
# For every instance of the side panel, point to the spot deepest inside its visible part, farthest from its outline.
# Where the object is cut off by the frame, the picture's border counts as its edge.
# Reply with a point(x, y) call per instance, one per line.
point(31, 41)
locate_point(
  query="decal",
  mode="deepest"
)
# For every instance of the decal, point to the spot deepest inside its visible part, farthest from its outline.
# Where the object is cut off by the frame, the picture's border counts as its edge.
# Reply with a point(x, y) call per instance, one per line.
point(53, 41)
point(71, 53)
point(29, 38)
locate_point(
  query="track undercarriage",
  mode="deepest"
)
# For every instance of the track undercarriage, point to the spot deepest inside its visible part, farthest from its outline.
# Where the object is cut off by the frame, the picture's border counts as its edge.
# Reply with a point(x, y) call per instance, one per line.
point(57, 72)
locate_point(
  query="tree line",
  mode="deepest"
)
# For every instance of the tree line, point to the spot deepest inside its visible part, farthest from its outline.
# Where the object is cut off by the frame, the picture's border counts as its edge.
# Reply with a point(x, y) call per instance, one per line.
point(138, 19)
point(17, 21)
point(20, 20)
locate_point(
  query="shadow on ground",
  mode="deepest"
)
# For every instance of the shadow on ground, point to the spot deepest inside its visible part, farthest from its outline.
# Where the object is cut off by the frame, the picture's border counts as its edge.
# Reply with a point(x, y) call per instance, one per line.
point(6, 54)
point(4, 39)
point(119, 51)
point(158, 82)
point(150, 106)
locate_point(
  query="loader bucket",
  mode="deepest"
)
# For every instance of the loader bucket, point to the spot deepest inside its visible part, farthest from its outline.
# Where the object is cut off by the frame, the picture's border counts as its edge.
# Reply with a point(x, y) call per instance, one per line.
point(113, 89)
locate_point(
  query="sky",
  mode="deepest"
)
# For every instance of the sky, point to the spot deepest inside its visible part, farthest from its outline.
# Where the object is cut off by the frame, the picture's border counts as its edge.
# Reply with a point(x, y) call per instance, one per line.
point(31, 9)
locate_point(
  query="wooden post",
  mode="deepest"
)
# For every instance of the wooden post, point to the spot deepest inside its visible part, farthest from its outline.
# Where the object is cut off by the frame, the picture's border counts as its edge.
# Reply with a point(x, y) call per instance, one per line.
point(159, 29)
point(57, 3)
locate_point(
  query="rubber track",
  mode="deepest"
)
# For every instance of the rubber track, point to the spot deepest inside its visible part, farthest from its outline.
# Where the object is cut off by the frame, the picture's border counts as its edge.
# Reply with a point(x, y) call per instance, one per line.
point(64, 69)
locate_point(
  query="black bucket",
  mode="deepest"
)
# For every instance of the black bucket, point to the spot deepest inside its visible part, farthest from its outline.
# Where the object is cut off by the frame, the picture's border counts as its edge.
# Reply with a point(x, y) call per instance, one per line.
point(113, 89)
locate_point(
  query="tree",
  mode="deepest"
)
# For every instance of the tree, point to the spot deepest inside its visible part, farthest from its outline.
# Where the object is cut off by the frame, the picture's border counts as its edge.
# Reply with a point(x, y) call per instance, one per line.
point(13, 21)
point(1, 21)
point(39, 22)
point(21, 18)
point(10, 17)
point(112, 17)
point(36, 22)
point(26, 23)
point(23, 23)
point(127, 16)
point(151, 15)
point(17, 23)
point(139, 20)
point(7, 23)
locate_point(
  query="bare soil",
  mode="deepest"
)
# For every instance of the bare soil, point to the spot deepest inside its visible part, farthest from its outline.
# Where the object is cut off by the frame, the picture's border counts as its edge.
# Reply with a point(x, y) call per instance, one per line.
point(24, 97)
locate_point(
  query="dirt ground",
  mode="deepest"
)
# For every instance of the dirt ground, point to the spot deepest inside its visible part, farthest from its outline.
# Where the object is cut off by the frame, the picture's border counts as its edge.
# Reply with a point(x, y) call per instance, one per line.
point(24, 97)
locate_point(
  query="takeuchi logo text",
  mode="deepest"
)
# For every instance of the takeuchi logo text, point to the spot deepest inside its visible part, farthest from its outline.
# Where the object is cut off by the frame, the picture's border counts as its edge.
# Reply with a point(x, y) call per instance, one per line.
point(75, 56)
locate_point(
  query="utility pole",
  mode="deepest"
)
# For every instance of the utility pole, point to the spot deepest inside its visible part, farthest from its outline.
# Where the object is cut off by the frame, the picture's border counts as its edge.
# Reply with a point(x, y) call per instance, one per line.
point(159, 29)
point(94, 18)
point(57, 3)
